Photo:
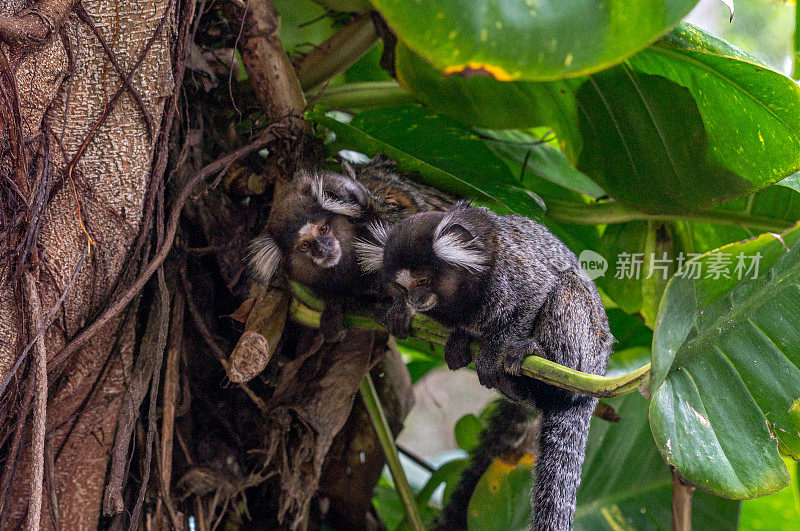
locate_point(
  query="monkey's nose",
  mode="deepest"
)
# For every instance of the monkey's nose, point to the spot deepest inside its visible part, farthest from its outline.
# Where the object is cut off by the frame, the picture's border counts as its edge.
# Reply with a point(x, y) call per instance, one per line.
point(325, 245)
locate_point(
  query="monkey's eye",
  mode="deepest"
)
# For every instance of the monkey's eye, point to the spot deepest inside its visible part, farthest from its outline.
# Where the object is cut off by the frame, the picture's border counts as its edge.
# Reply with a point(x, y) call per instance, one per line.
point(323, 228)
point(304, 246)
point(424, 281)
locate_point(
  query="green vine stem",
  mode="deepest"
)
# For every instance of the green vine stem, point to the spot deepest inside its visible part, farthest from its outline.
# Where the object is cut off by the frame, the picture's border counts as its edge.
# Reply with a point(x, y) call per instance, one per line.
point(796, 43)
point(305, 309)
point(376, 414)
point(362, 95)
point(615, 212)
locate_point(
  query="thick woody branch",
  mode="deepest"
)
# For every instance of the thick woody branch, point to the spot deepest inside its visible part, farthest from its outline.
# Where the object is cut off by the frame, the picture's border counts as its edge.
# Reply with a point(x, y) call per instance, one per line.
point(337, 53)
point(34, 25)
point(268, 67)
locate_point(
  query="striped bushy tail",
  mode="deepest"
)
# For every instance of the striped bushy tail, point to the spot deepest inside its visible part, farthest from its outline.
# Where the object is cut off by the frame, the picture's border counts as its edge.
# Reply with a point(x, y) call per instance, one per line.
point(557, 473)
point(506, 431)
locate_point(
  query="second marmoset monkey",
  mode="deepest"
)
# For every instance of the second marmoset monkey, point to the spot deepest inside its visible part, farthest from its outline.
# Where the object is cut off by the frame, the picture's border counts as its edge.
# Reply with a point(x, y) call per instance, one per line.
point(313, 224)
point(509, 282)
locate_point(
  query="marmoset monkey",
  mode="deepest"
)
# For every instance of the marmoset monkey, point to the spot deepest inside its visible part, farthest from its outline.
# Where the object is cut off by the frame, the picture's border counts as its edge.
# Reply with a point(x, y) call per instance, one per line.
point(312, 227)
point(510, 283)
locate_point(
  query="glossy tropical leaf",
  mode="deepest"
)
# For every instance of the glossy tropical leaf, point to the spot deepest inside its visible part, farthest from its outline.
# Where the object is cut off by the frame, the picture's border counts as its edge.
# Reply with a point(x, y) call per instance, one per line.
point(489, 103)
point(636, 290)
point(644, 142)
point(641, 258)
point(733, 339)
point(751, 113)
point(626, 484)
point(776, 512)
point(466, 431)
point(496, 503)
point(424, 142)
point(529, 39)
point(685, 124)
point(533, 157)
point(299, 32)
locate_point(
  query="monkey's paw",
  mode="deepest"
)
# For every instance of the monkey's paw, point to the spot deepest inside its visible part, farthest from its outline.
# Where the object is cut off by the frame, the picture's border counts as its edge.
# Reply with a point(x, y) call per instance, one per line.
point(512, 365)
point(398, 324)
point(456, 351)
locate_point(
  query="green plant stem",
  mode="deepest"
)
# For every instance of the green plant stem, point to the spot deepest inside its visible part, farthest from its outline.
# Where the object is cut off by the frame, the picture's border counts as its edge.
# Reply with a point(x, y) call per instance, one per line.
point(615, 212)
point(371, 400)
point(305, 310)
point(363, 95)
point(337, 53)
point(796, 43)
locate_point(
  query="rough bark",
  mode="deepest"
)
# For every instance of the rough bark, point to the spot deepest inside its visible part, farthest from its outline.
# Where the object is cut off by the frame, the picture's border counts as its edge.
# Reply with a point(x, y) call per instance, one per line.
point(60, 87)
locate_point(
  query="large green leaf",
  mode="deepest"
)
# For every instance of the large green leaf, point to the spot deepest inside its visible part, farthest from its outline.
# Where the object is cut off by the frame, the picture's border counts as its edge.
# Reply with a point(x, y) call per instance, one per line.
point(647, 242)
point(644, 142)
point(529, 39)
point(489, 103)
point(501, 499)
point(776, 512)
point(685, 124)
point(750, 112)
point(626, 484)
point(443, 152)
point(726, 367)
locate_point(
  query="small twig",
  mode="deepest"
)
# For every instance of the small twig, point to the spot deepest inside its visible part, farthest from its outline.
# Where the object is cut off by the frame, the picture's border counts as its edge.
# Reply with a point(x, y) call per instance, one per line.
point(39, 373)
point(384, 432)
point(169, 238)
point(681, 503)
point(415, 458)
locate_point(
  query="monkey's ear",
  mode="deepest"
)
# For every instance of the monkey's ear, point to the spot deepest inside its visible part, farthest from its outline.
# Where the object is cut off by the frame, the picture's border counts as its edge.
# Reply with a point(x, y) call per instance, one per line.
point(338, 194)
point(369, 253)
point(455, 243)
point(264, 257)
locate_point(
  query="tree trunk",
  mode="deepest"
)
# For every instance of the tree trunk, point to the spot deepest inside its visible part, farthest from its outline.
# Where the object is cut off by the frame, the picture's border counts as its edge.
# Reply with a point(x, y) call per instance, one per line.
point(64, 90)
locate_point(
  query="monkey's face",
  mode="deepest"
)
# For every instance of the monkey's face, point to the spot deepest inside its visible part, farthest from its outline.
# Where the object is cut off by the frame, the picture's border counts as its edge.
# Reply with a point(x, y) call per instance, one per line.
point(417, 287)
point(317, 243)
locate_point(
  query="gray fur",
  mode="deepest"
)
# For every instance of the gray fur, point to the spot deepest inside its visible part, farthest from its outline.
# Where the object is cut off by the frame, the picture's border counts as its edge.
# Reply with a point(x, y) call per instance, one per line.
point(528, 298)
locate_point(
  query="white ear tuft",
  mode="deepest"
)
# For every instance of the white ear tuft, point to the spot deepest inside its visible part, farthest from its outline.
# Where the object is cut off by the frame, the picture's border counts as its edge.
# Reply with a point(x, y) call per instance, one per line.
point(337, 206)
point(333, 204)
point(369, 254)
point(454, 248)
point(264, 257)
point(379, 231)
